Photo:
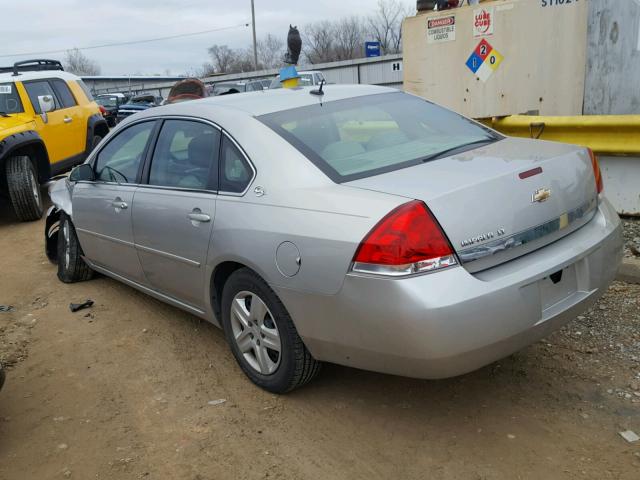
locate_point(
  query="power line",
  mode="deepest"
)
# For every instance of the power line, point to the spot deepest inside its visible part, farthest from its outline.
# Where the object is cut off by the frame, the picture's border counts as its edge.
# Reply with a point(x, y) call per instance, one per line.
point(132, 42)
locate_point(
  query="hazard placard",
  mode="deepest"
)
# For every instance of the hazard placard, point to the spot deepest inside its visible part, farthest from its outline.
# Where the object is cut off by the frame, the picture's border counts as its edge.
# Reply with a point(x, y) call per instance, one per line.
point(484, 60)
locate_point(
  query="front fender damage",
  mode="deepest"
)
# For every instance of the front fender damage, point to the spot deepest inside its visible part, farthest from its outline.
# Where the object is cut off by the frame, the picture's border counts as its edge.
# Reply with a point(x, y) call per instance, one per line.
point(60, 193)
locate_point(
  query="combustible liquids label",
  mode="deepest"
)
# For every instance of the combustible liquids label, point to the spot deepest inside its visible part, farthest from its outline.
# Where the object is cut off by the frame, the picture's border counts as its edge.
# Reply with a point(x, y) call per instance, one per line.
point(484, 60)
point(483, 21)
point(441, 29)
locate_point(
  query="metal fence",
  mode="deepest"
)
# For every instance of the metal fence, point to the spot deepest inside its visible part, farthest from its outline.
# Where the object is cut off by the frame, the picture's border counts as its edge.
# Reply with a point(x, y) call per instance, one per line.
point(386, 70)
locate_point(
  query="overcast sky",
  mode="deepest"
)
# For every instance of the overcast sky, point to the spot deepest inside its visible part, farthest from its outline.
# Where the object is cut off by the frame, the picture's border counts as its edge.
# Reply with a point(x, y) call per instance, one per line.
point(42, 25)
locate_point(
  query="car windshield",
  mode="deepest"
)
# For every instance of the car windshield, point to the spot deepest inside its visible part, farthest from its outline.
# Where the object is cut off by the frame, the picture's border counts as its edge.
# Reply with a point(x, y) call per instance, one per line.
point(107, 101)
point(306, 80)
point(365, 136)
point(225, 88)
point(142, 100)
point(9, 99)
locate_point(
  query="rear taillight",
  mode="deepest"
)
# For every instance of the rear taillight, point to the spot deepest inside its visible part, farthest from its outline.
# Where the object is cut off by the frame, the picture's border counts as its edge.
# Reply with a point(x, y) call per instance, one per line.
point(596, 171)
point(407, 241)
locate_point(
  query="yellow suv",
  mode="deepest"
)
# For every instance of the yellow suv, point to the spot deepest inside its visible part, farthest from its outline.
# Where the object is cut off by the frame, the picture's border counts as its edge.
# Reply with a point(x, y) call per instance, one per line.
point(49, 123)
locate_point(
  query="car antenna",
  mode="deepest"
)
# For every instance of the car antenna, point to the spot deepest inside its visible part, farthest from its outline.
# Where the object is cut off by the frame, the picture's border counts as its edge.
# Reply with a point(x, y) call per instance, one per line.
point(319, 91)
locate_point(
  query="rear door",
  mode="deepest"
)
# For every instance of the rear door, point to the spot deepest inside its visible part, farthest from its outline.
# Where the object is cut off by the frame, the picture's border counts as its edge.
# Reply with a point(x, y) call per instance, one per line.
point(102, 209)
point(174, 212)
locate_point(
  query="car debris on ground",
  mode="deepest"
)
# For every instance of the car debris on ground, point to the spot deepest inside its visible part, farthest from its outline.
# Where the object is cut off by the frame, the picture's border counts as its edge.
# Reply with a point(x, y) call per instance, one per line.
point(75, 307)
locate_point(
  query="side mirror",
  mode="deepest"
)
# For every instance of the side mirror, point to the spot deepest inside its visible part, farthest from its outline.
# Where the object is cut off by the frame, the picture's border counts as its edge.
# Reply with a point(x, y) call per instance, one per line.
point(46, 104)
point(82, 172)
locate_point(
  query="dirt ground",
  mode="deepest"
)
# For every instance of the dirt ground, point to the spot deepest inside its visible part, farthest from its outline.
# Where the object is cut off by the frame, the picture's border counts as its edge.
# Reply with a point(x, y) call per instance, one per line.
point(122, 391)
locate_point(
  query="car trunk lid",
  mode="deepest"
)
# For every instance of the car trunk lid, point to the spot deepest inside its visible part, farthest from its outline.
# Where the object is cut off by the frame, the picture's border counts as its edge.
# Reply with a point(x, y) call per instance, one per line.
point(502, 200)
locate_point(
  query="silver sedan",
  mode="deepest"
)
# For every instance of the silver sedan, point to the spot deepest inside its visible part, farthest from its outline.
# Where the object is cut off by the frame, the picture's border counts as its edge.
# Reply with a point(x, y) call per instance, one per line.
point(356, 224)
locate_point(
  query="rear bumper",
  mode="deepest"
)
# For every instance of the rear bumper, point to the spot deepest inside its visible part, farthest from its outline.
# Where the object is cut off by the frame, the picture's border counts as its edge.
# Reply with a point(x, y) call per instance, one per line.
point(451, 322)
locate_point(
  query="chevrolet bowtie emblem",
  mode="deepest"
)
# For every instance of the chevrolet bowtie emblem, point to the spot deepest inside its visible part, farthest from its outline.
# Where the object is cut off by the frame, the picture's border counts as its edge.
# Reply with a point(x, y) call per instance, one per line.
point(541, 195)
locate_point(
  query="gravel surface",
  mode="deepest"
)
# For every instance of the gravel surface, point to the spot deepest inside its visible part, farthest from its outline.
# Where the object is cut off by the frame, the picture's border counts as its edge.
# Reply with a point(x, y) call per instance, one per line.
point(631, 237)
point(135, 389)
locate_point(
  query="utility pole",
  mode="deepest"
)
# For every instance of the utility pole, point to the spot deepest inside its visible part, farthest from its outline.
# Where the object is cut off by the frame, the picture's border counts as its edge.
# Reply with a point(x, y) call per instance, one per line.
point(255, 47)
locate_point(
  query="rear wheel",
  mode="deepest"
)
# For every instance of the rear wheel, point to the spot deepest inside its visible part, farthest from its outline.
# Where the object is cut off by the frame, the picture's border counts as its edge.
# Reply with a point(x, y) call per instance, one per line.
point(71, 267)
point(24, 188)
point(262, 336)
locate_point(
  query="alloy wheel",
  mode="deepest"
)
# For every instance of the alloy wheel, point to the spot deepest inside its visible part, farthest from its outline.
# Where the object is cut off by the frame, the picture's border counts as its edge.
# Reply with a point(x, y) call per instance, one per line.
point(255, 332)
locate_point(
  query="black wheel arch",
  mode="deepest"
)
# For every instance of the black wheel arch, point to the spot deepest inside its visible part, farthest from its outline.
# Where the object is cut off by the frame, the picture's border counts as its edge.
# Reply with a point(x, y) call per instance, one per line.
point(27, 143)
point(96, 125)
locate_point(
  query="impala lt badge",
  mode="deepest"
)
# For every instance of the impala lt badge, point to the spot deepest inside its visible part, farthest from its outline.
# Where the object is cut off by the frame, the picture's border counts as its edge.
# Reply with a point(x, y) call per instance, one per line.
point(541, 195)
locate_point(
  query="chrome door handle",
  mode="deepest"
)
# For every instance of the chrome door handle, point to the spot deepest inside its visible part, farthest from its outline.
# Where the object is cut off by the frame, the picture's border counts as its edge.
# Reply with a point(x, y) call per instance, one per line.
point(119, 204)
point(68, 120)
point(199, 217)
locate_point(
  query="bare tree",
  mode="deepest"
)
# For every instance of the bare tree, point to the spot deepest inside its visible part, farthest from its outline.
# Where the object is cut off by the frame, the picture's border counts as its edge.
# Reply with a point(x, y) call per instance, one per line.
point(222, 58)
point(79, 64)
point(349, 35)
point(317, 42)
point(270, 51)
point(385, 26)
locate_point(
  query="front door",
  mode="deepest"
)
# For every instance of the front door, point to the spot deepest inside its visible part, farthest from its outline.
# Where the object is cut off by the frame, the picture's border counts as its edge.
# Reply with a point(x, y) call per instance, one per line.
point(173, 214)
point(102, 209)
point(63, 133)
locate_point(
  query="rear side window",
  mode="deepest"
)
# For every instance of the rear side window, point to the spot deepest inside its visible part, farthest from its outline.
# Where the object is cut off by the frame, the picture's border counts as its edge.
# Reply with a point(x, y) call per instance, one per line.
point(235, 171)
point(186, 156)
point(9, 99)
point(86, 90)
point(64, 94)
point(38, 89)
point(119, 161)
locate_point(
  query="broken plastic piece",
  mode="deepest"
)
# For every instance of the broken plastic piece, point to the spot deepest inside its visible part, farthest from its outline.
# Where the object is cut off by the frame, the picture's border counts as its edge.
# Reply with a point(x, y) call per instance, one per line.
point(74, 307)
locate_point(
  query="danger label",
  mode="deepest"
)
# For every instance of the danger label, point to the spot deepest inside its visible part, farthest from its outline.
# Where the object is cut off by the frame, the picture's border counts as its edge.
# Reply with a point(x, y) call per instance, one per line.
point(441, 29)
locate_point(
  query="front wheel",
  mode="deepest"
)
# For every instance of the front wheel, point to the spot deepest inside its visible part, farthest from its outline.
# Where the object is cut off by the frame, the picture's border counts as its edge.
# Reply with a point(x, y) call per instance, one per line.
point(71, 267)
point(24, 189)
point(262, 336)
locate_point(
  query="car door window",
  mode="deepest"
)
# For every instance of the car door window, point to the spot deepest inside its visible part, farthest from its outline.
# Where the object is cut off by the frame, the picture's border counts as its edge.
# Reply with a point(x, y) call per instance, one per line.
point(37, 89)
point(186, 156)
point(63, 93)
point(235, 171)
point(119, 161)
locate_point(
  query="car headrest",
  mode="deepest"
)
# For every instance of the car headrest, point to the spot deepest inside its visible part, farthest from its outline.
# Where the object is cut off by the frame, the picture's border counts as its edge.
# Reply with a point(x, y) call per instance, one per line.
point(201, 150)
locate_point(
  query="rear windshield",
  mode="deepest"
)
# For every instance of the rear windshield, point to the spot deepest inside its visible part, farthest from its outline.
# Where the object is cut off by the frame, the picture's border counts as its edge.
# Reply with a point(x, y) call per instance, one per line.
point(107, 101)
point(9, 99)
point(365, 136)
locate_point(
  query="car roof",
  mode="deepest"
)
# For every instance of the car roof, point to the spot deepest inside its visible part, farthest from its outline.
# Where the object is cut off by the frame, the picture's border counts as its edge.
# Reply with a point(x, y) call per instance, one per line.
point(270, 101)
point(37, 75)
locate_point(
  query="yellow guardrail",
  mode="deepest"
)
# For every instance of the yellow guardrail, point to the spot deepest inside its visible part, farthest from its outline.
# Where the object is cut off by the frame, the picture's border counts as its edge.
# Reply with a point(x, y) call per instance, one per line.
point(604, 134)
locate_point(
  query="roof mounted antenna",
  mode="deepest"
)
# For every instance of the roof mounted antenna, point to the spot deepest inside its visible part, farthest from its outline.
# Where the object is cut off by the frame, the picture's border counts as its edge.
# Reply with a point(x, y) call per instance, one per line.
point(319, 91)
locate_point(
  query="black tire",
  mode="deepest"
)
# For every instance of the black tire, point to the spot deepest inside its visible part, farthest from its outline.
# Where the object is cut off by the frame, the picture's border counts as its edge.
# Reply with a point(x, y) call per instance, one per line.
point(296, 365)
point(24, 189)
point(71, 266)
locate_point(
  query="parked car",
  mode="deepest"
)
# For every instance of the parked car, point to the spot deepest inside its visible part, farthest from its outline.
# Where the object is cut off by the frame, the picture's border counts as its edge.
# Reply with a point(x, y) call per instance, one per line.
point(49, 122)
point(307, 79)
point(187, 89)
point(2, 376)
point(137, 104)
point(226, 88)
point(372, 229)
point(111, 102)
